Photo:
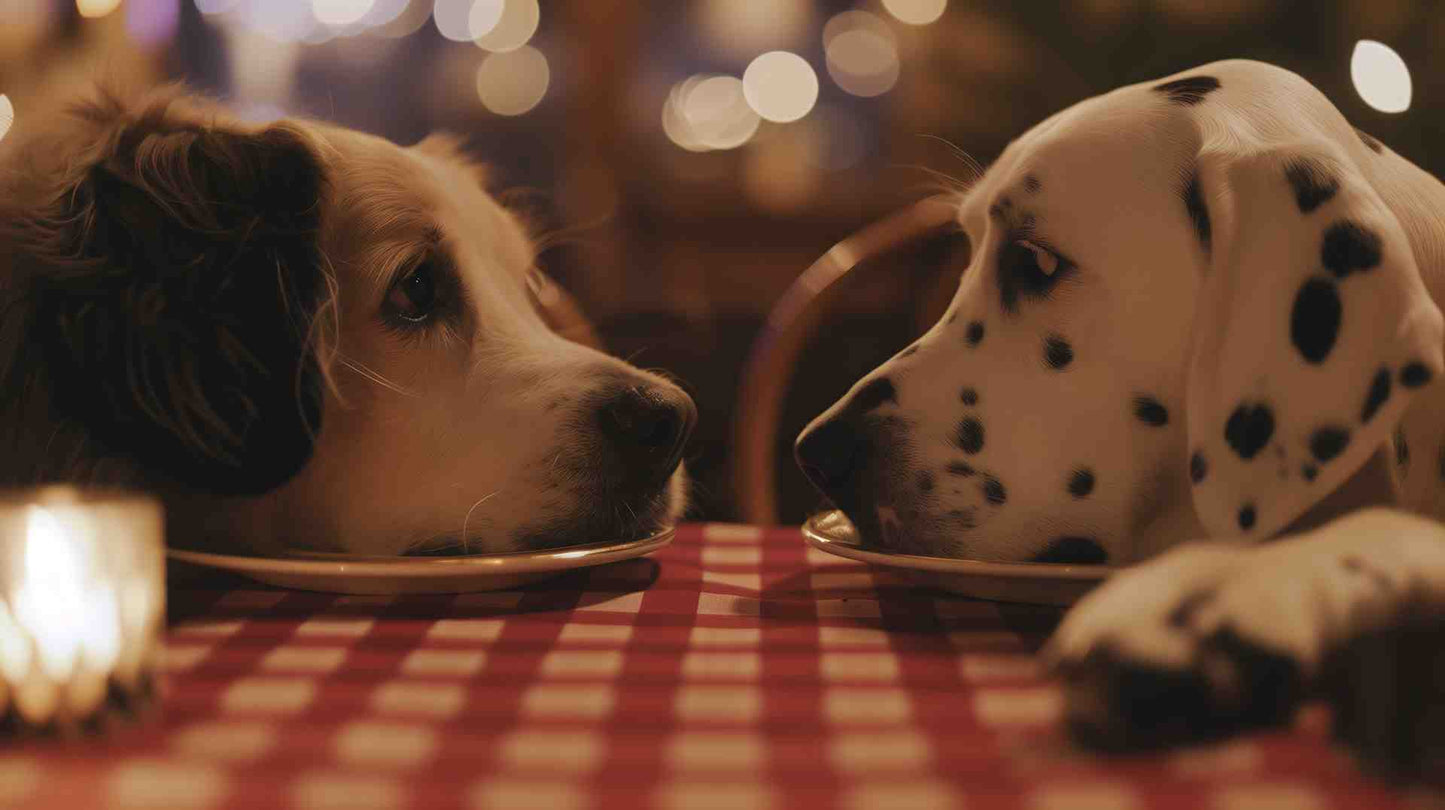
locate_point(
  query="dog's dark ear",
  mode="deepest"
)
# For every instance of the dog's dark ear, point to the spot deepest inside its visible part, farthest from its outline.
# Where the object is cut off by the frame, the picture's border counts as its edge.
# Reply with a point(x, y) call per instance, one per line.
point(1313, 332)
point(177, 330)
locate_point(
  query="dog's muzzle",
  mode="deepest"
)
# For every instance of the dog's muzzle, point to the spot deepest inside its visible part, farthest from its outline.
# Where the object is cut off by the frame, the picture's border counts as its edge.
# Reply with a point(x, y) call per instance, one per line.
point(646, 427)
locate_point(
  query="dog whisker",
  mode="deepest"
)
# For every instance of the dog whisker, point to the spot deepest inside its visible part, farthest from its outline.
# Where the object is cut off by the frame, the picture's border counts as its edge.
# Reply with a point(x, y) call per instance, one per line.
point(968, 160)
point(466, 549)
point(373, 376)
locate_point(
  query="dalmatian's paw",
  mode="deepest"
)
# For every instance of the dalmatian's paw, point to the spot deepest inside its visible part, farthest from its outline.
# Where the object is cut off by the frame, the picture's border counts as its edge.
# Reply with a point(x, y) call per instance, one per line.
point(1211, 639)
point(1149, 660)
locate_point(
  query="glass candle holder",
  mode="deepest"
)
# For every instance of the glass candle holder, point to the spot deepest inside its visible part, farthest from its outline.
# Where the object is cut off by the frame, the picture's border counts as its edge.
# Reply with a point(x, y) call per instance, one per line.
point(82, 600)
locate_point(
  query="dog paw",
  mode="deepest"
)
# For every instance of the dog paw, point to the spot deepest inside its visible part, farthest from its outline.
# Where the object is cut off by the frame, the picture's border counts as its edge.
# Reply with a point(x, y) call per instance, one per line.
point(1172, 651)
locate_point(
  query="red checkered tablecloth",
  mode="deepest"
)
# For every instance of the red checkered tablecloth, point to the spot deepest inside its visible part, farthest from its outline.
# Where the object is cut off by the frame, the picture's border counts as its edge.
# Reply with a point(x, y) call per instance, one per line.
point(734, 669)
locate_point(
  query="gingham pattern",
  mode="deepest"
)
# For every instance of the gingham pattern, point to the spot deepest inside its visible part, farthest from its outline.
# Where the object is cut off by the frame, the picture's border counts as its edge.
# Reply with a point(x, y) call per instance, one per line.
point(734, 669)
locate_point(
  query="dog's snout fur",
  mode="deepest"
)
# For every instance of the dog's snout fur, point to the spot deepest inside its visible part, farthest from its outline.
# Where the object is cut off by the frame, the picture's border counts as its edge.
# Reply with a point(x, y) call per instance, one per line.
point(646, 426)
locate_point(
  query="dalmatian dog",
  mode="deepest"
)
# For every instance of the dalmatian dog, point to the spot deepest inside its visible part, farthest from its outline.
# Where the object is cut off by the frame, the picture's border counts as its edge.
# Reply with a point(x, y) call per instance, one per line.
point(1201, 308)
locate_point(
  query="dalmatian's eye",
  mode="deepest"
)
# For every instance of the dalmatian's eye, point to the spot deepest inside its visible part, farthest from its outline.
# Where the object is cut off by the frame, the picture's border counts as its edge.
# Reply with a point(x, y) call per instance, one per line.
point(1027, 268)
point(1044, 259)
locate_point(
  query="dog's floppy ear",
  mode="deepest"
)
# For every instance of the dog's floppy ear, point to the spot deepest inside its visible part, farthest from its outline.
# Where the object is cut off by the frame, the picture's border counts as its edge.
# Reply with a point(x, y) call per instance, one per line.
point(1312, 333)
point(175, 327)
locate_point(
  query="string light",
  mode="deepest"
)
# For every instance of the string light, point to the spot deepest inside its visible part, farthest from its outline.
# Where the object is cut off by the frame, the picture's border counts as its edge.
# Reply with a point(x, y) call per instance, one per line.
point(916, 12)
point(862, 56)
point(516, 23)
point(1380, 76)
point(514, 82)
point(780, 86)
point(7, 115)
point(340, 12)
point(96, 8)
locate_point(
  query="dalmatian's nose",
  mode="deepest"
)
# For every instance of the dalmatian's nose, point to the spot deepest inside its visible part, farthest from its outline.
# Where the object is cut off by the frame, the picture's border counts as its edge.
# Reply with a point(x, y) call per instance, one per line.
point(828, 454)
point(647, 426)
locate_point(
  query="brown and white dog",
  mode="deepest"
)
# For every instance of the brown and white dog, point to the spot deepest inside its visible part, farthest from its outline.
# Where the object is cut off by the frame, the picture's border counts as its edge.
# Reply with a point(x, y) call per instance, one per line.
point(302, 336)
point(1202, 307)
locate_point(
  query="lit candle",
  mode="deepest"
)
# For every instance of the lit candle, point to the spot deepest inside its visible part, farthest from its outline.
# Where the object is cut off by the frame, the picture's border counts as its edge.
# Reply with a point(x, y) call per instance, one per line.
point(83, 600)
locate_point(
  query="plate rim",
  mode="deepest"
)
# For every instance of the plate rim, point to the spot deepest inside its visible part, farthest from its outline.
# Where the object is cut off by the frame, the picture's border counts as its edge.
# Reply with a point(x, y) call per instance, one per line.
point(517, 562)
point(821, 540)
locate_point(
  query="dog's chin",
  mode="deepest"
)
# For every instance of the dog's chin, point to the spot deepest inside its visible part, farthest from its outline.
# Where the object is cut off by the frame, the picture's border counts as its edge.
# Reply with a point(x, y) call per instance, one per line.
point(610, 515)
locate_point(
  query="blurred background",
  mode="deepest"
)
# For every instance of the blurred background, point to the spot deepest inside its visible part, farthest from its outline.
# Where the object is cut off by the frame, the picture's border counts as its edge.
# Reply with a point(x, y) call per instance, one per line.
point(688, 159)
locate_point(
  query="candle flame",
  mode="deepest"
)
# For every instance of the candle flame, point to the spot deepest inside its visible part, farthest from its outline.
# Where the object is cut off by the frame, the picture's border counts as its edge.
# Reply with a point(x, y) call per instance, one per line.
point(48, 602)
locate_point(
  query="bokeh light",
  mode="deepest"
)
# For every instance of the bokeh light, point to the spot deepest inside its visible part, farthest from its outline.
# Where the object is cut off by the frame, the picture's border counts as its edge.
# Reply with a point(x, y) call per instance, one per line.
point(916, 12)
point(383, 12)
point(7, 115)
point(341, 12)
point(514, 82)
point(484, 16)
point(707, 112)
point(96, 8)
point(781, 86)
point(453, 19)
point(215, 6)
point(861, 52)
point(280, 20)
point(514, 28)
point(399, 18)
point(1380, 76)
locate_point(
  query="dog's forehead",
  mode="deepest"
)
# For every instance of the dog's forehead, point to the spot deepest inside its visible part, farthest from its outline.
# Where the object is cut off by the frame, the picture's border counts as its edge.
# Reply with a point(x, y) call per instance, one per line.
point(407, 194)
point(1116, 138)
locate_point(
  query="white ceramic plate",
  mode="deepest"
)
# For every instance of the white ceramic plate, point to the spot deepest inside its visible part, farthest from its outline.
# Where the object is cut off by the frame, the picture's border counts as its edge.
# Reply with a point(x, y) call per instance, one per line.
point(343, 573)
point(1034, 583)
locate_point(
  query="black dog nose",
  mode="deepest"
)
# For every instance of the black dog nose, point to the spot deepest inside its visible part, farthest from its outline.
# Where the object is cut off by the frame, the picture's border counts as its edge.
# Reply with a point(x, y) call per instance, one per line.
point(648, 424)
point(828, 453)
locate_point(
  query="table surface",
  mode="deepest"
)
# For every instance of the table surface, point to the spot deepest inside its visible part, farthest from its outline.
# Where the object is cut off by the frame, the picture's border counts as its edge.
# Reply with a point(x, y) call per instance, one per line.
point(735, 668)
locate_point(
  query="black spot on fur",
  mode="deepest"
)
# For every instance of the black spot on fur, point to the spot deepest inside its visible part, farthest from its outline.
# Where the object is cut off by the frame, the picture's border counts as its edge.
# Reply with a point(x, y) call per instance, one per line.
point(975, 333)
point(1328, 442)
point(1198, 467)
point(1058, 354)
point(968, 396)
point(1246, 516)
point(1081, 482)
point(1370, 141)
point(1249, 429)
point(1189, 90)
point(1150, 411)
point(873, 395)
point(908, 352)
point(1349, 247)
point(960, 469)
point(1073, 551)
point(1309, 471)
point(1314, 323)
point(1402, 447)
point(994, 491)
point(1414, 375)
point(1379, 392)
point(970, 435)
point(1313, 185)
point(1198, 212)
point(1032, 184)
point(925, 481)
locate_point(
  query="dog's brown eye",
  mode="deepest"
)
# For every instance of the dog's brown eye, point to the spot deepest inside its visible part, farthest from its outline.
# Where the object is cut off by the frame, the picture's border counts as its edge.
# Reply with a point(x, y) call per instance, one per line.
point(1028, 268)
point(414, 297)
